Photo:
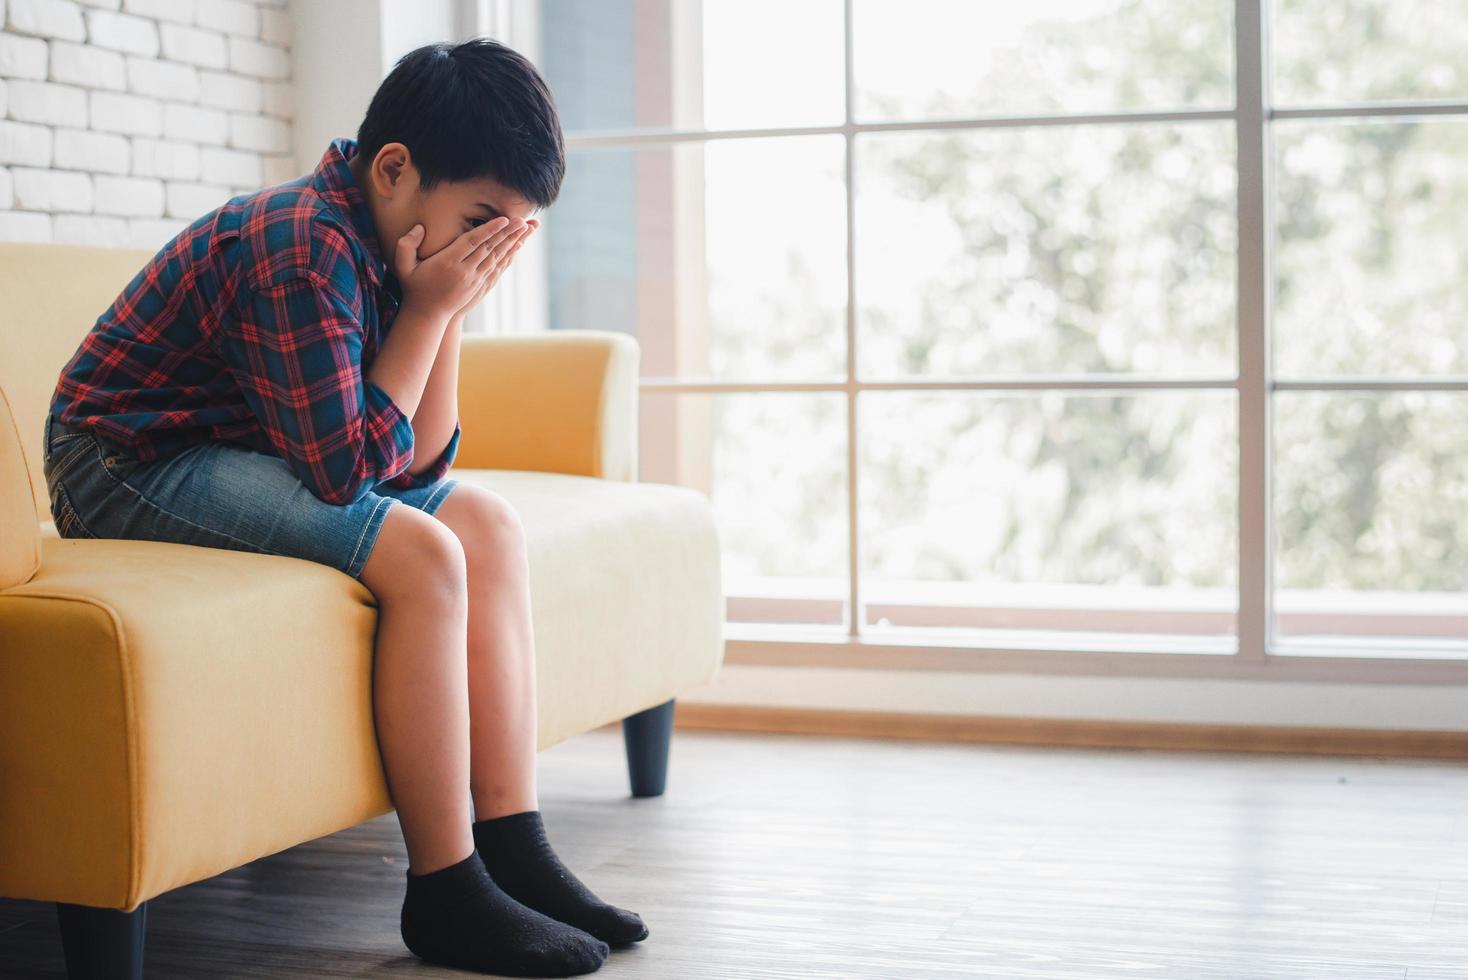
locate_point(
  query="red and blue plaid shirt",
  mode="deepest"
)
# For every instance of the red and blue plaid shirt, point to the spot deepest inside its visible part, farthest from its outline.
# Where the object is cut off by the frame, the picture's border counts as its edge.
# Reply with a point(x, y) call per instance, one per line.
point(254, 325)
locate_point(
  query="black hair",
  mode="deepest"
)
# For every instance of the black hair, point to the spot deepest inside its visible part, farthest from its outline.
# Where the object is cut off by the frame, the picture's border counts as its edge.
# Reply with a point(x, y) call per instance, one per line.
point(470, 110)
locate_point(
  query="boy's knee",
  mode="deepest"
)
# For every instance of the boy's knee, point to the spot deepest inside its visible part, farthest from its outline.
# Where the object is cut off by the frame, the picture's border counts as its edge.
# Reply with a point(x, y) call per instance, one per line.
point(416, 556)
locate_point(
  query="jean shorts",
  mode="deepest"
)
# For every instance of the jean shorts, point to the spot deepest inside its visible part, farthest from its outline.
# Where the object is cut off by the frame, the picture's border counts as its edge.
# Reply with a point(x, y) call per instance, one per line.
point(217, 494)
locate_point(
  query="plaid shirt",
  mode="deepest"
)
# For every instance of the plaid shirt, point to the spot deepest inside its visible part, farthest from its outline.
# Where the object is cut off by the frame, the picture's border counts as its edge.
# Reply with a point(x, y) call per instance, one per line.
point(255, 325)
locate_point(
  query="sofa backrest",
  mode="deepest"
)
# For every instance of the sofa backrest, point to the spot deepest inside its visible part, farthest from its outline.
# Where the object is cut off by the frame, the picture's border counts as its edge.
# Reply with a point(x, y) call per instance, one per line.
point(50, 297)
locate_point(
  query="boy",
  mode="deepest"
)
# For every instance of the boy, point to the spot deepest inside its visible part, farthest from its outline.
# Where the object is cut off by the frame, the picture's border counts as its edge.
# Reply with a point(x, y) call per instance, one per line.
point(277, 378)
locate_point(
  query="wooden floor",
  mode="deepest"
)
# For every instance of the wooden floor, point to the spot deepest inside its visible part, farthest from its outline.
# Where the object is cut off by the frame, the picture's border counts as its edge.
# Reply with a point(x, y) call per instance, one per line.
point(787, 856)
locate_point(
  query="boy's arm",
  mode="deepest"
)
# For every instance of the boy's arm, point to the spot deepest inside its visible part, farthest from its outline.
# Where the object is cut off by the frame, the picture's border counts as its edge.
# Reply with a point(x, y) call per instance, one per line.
point(436, 419)
point(294, 348)
point(295, 352)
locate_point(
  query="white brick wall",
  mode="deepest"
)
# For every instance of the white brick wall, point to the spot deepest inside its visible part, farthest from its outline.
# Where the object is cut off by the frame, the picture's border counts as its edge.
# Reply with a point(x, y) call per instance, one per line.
point(123, 32)
point(196, 47)
point(51, 190)
point(82, 149)
point(121, 121)
point(44, 102)
point(80, 64)
point(22, 57)
point(46, 18)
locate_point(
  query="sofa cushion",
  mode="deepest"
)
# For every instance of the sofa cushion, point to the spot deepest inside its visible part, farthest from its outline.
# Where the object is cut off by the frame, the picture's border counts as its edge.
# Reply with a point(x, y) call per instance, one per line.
point(626, 592)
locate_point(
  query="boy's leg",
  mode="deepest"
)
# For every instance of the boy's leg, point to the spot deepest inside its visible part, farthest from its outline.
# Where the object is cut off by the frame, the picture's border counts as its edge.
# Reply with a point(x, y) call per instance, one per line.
point(454, 913)
point(509, 833)
point(420, 702)
point(503, 725)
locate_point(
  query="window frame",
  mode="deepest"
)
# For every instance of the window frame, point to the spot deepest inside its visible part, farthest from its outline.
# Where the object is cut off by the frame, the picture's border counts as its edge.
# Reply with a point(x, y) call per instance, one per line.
point(1256, 655)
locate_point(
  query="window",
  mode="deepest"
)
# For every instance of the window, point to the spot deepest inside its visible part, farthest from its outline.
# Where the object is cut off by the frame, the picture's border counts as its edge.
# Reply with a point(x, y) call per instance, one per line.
point(1120, 328)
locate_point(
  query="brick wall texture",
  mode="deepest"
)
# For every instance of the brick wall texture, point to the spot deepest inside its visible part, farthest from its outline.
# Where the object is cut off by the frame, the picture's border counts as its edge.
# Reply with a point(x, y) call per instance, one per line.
point(123, 120)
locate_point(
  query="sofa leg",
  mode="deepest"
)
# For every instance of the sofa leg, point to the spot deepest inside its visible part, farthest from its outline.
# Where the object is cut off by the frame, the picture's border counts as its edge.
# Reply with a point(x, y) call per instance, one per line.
point(102, 944)
point(647, 735)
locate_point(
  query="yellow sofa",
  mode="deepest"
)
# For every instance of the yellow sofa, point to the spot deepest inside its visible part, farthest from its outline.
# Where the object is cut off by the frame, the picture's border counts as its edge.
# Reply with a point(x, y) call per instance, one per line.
point(155, 730)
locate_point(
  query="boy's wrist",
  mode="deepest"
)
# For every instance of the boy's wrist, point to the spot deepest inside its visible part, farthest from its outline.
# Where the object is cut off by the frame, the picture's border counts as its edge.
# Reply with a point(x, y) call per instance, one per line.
point(425, 311)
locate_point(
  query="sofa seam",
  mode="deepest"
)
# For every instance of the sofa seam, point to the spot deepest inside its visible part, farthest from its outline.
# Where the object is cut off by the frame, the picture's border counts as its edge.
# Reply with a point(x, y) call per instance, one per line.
point(598, 443)
point(134, 776)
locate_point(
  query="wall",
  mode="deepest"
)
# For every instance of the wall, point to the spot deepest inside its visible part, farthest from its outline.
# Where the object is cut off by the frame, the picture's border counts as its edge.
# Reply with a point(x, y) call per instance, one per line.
point(337, 65)
point(123, 120)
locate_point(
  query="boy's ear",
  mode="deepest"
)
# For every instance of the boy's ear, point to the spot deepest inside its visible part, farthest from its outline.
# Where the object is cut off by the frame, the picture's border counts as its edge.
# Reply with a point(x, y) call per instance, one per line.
point(391, 169)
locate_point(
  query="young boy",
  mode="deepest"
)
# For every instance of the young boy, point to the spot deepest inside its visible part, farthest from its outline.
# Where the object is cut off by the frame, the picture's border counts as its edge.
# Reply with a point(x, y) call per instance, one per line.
point(281, 375)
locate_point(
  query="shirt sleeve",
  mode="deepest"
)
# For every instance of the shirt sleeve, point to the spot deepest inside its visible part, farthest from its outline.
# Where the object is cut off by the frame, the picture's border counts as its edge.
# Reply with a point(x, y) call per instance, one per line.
point(440, 467)
point(295, 350)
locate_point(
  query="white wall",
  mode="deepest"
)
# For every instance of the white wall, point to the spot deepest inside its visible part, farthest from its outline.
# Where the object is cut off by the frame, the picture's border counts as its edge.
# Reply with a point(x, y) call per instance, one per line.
point(123, 120)
point(336, 61)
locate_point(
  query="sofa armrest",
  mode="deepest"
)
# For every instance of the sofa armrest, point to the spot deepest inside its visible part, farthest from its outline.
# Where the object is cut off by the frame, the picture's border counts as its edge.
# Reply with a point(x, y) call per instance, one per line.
point(563, 401)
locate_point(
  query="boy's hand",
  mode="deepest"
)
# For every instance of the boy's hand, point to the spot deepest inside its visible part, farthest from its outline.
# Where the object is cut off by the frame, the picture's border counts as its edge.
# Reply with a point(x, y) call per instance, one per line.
point(442, 283)
point(494, 269)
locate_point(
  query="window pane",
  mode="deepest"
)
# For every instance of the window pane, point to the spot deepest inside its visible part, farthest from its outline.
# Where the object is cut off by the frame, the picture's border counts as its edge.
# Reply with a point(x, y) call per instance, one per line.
point(724, 259)
point(1084, 249)
point(941, 59)
point(1050, 514)
point(774, 467)
point(1345, 51)
point(1370, 493)
point(1370, 275)
point(683, 64)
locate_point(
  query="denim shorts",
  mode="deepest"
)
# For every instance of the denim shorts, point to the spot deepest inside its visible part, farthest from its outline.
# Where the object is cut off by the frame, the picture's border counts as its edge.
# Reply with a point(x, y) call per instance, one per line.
point(217, 494)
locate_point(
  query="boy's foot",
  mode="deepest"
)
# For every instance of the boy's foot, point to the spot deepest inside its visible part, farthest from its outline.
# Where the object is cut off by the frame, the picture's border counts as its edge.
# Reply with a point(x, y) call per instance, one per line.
point(457, 916)
point(521, 861)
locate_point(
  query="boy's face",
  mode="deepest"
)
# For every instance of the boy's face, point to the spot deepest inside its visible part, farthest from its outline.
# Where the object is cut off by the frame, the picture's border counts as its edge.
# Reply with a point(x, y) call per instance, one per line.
point(454, 207)
point(451, 208)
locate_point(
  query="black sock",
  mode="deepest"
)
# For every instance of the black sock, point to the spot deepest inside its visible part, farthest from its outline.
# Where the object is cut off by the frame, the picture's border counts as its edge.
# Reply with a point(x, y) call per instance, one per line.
point(457, 916)
point(521, 861)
